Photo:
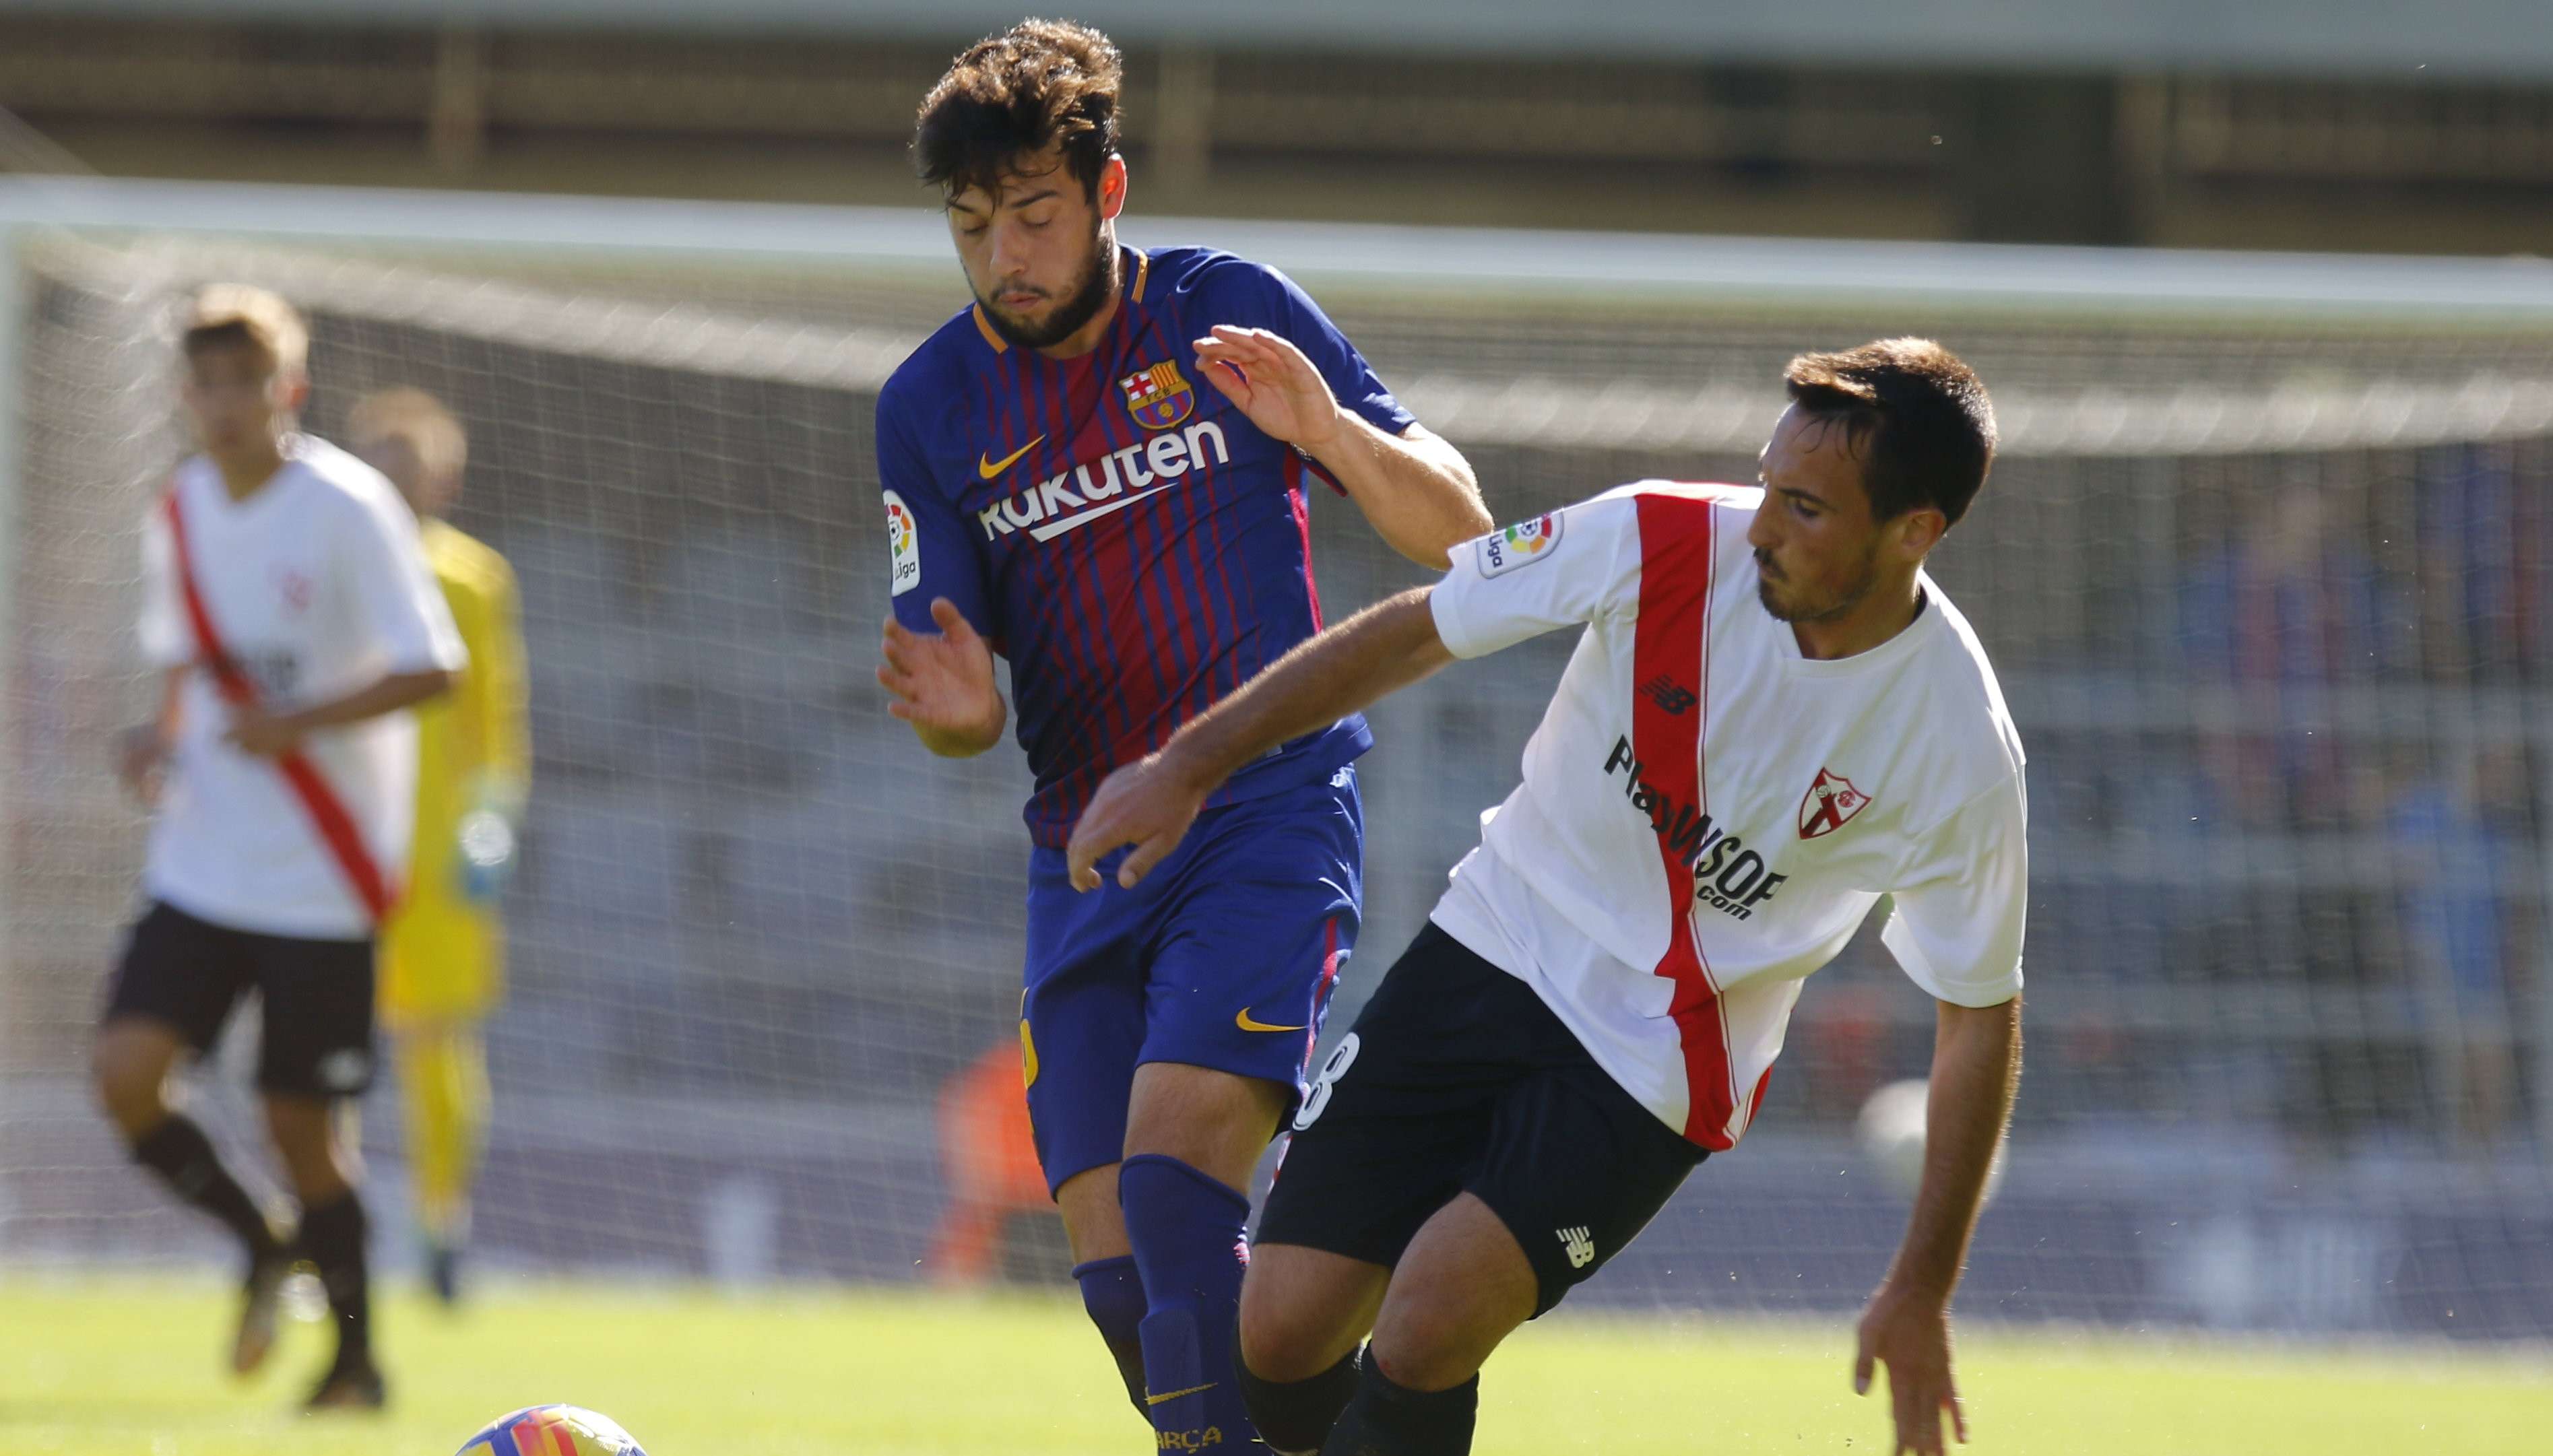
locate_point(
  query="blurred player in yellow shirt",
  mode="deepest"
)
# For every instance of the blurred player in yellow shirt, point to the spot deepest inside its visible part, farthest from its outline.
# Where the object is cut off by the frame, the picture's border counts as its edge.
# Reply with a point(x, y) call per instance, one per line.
point(443, 949)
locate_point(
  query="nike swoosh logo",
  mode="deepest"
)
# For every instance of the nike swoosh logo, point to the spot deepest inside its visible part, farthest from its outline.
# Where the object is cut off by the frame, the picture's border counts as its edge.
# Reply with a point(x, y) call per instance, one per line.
point(986, 467)
point(1174, 1395)
point(1054, 528)
point(1243, 1022)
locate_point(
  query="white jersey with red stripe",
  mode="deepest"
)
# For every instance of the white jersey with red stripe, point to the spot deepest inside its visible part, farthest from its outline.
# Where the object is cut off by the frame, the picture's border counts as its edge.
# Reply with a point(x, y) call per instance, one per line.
point(317, 585)
point(1706, 816)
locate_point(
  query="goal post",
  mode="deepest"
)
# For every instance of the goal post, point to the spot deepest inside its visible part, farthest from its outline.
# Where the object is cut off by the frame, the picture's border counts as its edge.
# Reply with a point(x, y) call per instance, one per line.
point(2265, 567)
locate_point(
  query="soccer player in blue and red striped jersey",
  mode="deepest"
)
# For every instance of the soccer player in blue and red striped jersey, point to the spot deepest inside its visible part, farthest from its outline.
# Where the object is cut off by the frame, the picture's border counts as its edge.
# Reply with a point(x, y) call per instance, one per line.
point(1099, 471)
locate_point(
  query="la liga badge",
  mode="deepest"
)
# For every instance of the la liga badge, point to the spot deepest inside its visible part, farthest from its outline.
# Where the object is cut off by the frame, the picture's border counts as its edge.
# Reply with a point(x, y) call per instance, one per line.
point(1829, 804)
point(903, 546)
point(1522, 545)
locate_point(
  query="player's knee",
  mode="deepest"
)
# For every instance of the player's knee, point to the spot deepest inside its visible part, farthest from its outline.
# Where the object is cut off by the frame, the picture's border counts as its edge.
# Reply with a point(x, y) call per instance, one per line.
point(305, 1137)
point(1425, 1340)
point(129, 1069)
point(1286, 1336)
point(1279, 1344)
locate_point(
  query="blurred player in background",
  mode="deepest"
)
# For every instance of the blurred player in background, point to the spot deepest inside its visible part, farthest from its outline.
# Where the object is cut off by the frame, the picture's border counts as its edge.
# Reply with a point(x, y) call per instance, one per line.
point(1061, 489)
point(287, 600)
point(1772, 718)
point(443, 952)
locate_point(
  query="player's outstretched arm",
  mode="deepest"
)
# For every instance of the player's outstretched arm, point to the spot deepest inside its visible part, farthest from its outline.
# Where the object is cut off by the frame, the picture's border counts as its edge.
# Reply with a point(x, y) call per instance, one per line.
point(1976, 1063)
point(1415, 488)
point(943, 683)
point(1149, 804)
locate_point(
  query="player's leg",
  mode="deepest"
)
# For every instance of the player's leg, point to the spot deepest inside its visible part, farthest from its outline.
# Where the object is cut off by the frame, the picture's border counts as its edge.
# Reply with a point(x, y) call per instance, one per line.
point(317, 1054)
point(1400, 1111)
point(1193, 1136)
point(172, 992)
point(1575, 1169)
point(1082, 1026)
point(1304, 1313)
point(1463, 1284)
point(1257, 912)
point(442, 1069)
point(440, 961)
point(1163, 1097)
point(1103, 1269)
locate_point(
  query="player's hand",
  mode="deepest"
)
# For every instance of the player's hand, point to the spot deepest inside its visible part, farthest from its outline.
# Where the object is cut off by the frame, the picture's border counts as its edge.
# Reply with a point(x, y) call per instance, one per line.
point(1273, 383)
point(141, 762)
point(1909, 1333)
point(942, 682)
point(254, 730)
point(1148, 805)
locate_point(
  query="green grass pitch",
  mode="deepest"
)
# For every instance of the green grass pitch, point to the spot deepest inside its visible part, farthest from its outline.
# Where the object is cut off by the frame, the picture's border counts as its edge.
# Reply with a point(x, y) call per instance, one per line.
point(126, 1364)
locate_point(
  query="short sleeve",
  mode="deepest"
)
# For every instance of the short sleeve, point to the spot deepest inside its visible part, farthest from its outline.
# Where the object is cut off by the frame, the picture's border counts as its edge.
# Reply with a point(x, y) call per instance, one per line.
point(1963, 900)
point(1573, 565)
point(929, 552)
point(1291, 314)
point(404, 612)
point(167, 639)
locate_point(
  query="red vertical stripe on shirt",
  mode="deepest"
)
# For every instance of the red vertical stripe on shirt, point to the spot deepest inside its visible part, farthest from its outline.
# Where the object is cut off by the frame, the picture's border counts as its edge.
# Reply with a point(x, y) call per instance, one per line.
point(1296, 503)
point(1669, 643)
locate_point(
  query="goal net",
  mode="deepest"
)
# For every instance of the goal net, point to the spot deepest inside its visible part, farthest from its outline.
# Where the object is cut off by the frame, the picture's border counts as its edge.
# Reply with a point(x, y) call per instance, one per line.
point(2265, 566)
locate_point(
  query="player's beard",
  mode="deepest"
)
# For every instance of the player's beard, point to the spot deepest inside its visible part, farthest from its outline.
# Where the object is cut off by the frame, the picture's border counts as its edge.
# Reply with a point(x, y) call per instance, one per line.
point(1843, 602)
point(1089, 293)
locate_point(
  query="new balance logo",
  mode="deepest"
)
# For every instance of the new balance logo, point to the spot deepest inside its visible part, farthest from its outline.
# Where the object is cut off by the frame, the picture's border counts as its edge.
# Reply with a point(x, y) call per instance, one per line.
point(1579, 1245)
point(1668, 694)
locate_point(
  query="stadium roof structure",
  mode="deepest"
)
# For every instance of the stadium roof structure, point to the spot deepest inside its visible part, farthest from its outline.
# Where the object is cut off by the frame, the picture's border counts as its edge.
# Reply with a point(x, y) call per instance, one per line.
point(2503, 38)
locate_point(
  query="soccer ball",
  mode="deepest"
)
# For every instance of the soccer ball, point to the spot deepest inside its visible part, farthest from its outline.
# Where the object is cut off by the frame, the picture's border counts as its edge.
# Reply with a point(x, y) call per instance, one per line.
point(1891, 1131)
point(551, 1431)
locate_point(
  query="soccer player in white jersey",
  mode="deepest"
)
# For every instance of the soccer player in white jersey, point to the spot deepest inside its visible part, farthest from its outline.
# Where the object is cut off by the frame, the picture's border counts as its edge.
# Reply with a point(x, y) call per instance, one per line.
point(1773, 717)
point(287, 602)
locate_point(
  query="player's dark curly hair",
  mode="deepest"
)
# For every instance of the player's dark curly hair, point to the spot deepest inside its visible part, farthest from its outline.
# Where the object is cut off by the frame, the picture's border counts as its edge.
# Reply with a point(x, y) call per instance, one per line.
point(1917, 417)
point(1015, 94)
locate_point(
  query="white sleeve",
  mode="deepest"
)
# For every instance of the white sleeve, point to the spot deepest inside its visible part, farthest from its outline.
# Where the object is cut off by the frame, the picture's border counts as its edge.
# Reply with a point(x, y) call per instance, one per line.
point(1964, 901)
point(168, 640)
point(404, 609)
point(1572, 566)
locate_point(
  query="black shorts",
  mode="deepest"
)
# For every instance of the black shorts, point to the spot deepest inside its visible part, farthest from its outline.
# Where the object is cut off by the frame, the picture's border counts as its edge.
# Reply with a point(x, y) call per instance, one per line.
point(1454, 1080)
point(317, 996)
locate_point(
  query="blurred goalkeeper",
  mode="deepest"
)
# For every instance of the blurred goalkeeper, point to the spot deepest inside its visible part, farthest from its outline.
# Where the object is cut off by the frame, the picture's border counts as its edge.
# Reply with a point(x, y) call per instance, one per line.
point(443, 949)
point(1062, 486)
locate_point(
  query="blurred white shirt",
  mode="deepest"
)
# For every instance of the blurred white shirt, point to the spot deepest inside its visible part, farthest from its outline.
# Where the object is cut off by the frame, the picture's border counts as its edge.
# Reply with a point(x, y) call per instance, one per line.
point(318, 587)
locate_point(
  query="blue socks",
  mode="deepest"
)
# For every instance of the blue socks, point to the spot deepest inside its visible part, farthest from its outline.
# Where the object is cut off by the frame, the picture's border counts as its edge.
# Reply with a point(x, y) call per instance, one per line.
point(1186, 1231)
point(1113, 1293)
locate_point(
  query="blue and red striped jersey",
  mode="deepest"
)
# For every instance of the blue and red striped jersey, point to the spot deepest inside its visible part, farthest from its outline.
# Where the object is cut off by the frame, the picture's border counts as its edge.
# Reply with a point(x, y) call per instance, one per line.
point(1118, 529)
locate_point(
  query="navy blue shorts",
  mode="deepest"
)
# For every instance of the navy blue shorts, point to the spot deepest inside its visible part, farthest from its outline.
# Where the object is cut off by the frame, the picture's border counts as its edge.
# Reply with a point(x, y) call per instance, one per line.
point(1224, 956)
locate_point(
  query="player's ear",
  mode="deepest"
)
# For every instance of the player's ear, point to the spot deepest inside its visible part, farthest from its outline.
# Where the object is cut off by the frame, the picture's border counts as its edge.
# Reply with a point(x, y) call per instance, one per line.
point(1112, 187)
point(1917, 531)
point(292, 389)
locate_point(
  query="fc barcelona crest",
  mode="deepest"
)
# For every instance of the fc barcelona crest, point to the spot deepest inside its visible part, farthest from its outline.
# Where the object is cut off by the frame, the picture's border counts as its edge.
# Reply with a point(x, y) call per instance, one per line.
point(1158, 397)
point(1830, 802)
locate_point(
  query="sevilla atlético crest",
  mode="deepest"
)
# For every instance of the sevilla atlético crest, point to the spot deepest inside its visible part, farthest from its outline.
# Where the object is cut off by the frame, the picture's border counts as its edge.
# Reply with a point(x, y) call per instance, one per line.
point(1829, 804)
point(1158, 397)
